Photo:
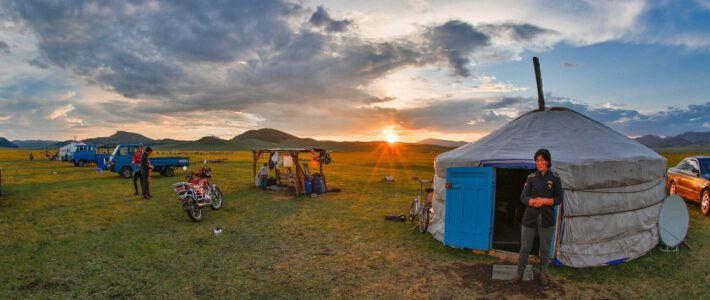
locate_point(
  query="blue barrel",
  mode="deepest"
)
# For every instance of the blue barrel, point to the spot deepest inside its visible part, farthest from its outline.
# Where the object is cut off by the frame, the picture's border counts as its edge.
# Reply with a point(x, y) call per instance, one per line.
point(318, 186)
point(309, 186)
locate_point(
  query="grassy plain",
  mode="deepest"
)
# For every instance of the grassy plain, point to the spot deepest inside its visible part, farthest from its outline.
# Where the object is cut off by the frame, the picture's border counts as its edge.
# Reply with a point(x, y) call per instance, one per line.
point(70, 232)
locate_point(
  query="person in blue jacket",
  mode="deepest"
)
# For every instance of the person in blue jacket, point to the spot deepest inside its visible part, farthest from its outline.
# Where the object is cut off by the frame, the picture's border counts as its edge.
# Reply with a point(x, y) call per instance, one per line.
point(542, 191)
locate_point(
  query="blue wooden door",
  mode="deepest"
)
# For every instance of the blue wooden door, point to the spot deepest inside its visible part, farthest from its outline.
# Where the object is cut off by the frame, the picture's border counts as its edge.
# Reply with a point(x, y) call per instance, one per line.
point(469, 207)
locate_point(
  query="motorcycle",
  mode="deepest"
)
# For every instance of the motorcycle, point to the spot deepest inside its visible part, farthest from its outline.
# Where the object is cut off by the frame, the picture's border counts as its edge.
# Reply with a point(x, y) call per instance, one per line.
point(198, 192)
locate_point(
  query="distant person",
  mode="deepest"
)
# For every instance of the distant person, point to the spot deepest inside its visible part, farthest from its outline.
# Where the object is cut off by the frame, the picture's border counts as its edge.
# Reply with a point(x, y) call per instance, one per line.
point(32, 157)
point(542, 191)
point(263, 175)
point(136, 166)
point(146, 168)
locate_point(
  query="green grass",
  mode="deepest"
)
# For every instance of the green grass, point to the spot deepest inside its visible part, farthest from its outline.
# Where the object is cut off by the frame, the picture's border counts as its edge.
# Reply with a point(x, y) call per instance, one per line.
point(80, 234)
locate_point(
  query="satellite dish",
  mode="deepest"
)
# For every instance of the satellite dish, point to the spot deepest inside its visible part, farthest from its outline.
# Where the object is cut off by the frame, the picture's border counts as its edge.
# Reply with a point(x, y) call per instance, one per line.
point(673, 221)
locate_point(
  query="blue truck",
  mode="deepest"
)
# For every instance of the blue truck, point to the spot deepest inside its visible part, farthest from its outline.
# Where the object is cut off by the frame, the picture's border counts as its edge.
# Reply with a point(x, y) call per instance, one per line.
point(90, 154)
point(122, 157)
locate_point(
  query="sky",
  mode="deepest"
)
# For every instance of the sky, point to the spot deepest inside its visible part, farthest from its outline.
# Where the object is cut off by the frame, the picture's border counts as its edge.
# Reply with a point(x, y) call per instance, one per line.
point(347, 70)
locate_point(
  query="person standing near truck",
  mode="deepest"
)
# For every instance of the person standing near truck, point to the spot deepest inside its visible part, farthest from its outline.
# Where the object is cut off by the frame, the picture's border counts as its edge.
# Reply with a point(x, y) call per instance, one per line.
point(146, 168)
point(136, 166)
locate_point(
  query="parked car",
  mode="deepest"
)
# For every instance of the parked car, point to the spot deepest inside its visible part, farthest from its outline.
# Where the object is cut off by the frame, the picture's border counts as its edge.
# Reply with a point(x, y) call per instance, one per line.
point(120, 162)
point(690, 179)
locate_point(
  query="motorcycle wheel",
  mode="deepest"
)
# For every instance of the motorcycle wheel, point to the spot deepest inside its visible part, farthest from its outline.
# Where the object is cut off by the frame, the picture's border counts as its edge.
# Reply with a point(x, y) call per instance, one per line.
point(216, 199)
point(194, 211)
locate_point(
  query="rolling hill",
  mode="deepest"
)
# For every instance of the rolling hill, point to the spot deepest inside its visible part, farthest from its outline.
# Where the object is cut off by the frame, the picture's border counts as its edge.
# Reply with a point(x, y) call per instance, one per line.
point(685, 142)
point(4, 143)
point(272, 138)
point(35, 144)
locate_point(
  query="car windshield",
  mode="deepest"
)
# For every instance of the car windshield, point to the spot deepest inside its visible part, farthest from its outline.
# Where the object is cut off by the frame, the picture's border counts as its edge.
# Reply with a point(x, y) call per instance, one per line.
point(704, 166)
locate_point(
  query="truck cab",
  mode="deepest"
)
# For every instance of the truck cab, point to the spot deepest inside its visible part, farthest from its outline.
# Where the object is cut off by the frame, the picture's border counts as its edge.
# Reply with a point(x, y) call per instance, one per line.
point(121, 161)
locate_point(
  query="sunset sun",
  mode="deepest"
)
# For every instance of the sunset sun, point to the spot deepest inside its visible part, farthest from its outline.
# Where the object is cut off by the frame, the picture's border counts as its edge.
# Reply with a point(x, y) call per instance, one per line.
point(390, 134)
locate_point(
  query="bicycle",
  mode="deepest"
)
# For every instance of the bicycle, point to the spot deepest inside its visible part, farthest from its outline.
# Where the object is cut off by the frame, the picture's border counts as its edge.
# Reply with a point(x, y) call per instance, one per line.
point(420, 205)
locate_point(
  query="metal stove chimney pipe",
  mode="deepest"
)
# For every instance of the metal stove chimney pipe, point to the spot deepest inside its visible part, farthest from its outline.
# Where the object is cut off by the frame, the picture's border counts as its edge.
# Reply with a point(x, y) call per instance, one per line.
point(538, 78)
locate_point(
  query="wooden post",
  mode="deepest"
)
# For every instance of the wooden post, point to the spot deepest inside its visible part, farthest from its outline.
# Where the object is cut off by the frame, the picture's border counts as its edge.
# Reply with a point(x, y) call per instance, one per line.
point(253, 152)
point(325, 185)
point(301, 189)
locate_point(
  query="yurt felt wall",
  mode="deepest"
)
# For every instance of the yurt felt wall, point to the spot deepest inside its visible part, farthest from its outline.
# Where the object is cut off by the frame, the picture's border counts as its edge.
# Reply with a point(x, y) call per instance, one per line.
point(613, 185)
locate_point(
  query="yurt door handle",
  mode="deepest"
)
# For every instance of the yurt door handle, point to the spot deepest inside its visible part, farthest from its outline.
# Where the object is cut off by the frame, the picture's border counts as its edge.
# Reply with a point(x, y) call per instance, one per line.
point(451, 185)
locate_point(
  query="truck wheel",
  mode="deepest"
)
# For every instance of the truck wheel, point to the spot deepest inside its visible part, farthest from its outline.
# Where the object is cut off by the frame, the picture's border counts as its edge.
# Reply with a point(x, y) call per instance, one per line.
point(126, 172)
point(705, 203)
point(169, 172)
point(81, 163)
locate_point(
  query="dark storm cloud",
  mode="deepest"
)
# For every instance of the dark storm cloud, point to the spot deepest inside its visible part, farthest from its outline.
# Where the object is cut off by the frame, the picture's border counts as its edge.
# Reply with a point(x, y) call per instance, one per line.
point(321, 18)
point(220, 55)
point(456, 41)
point(4, 47)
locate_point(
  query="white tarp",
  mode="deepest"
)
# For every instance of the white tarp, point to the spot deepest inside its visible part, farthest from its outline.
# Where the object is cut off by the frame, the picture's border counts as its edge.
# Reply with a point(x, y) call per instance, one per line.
point(613, 185)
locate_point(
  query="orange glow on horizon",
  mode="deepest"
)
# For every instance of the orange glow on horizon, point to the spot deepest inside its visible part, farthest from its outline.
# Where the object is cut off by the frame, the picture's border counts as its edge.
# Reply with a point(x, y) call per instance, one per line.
point(390, 134)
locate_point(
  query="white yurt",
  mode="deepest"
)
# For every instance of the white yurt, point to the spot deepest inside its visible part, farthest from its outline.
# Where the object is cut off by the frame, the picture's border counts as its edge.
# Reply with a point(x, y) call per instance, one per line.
point(613, 188)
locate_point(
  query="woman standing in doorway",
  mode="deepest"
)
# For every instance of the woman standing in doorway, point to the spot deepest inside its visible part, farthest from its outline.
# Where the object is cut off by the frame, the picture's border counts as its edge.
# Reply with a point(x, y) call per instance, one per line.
point(542, 191)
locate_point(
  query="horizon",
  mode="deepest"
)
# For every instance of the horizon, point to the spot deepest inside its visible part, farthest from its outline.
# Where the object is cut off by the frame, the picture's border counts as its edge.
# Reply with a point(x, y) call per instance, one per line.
point(404, 70)
point(301, 137)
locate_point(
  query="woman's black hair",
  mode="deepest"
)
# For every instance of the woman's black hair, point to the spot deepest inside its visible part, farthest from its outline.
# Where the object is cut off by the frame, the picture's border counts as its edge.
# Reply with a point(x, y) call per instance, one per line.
point(545, 155)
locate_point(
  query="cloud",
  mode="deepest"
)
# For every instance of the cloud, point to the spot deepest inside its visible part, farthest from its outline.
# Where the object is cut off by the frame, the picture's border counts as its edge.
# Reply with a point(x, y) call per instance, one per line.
point(466, 115)
point(488, 84)
point(456, 40)
point(60, 112)
point(39, 63)
point(321, 18)
point(668, 122)
point(246, 64)
point(4, 48)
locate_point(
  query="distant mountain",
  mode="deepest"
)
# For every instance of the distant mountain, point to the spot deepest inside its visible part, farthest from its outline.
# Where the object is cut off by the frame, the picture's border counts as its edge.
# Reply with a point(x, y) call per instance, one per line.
point(686, 142)
point(205, 143)
point(120, 137)
point(4, 143)
point(249, 140)
point(272, 138)
point(443, 143)
point(35, 144)
point(125, 137)
point(267, 135)
point(650, 140)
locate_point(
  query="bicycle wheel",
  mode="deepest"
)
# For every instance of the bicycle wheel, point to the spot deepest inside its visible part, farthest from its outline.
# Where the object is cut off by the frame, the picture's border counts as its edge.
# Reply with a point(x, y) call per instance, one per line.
point(413, 209)
point(423, 217)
